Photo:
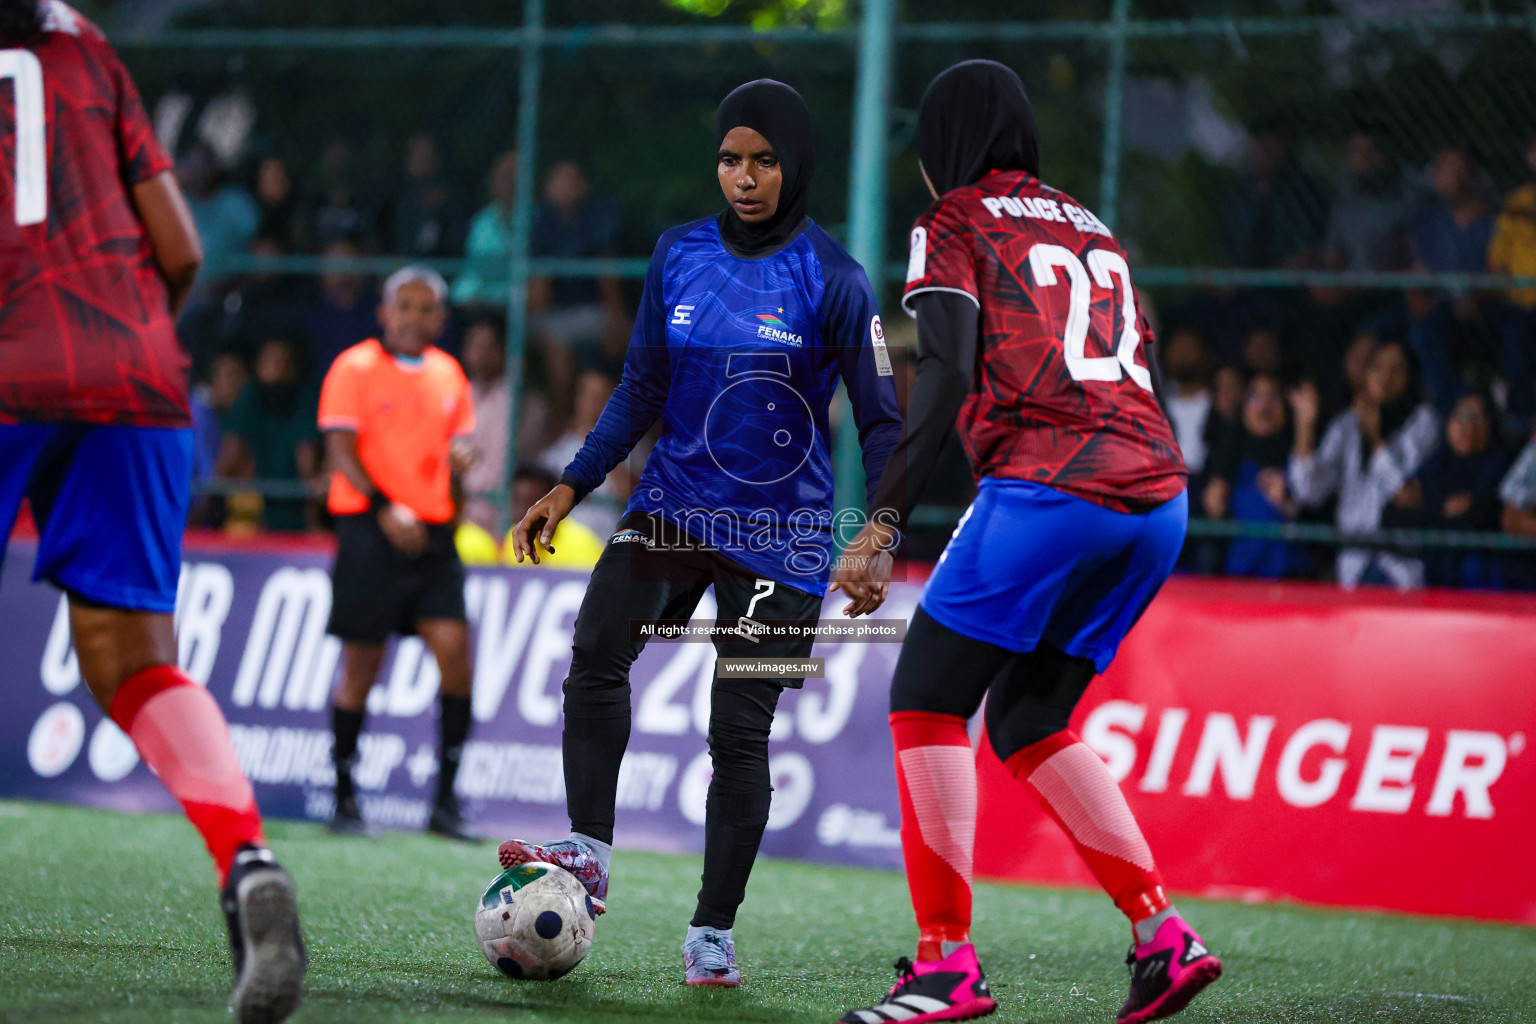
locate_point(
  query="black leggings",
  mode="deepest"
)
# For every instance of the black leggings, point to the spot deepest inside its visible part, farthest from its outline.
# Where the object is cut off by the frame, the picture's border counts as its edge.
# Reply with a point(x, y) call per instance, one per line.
point(635, 582)
point(1029, 696)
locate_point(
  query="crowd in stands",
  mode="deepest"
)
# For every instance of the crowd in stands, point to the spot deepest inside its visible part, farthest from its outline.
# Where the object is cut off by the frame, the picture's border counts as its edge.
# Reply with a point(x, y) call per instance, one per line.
point(262, 341)
point(1371, 409)
point(1368, 408)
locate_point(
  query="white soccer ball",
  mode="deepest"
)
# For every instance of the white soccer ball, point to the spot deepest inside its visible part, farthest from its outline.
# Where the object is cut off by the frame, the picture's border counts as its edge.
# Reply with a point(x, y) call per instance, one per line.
point(535, 922)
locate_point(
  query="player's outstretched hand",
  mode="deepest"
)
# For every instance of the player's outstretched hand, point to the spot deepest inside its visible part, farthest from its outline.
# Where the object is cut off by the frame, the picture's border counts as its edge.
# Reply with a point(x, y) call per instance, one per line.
point(864, 570)
point(403, 529)
point(538, 524)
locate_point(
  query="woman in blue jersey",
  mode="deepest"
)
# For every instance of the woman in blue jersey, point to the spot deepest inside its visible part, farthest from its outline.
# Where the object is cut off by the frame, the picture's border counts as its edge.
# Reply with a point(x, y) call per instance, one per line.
point(748, 321)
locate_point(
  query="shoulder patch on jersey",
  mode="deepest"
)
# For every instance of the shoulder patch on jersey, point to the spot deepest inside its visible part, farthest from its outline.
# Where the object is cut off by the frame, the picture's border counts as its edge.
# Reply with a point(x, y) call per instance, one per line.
point(882, 355)
point(917, 256)
point(60, 17)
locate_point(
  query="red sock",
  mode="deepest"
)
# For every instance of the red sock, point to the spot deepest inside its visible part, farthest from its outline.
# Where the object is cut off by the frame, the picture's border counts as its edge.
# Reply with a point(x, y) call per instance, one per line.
point(182, 735)
point(1074, 786)
point(936, 777)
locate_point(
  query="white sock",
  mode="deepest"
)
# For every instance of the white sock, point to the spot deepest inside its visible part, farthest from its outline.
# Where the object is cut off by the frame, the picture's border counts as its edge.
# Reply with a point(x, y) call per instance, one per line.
point(946, 948)
point(1146, 930)
point(698, 931)
point(603, 850)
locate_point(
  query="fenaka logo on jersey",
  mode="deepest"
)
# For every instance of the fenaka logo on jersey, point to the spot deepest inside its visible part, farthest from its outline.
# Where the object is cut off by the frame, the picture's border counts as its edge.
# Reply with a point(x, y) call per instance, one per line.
point(630, 537)
point(774, 329)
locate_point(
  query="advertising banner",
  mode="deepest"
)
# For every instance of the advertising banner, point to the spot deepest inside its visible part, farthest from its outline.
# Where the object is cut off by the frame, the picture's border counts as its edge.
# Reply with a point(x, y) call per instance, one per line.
point(251, 627)
point(1300, 742)
point(1275, 741)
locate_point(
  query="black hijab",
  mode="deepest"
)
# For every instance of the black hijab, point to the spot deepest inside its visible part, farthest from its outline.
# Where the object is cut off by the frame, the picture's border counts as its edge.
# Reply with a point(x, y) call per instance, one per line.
point(1395, 414)
point(778, 114)
point(20, 21)
point(974, 118)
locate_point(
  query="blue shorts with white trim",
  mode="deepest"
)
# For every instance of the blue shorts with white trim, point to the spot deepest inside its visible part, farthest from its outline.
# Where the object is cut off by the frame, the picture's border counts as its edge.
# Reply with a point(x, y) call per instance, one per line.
point(1029, 563)
point(111, 505)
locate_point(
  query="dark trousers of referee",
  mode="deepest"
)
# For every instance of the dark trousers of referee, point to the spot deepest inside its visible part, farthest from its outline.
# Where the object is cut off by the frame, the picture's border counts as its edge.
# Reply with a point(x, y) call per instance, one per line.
point(663, 577)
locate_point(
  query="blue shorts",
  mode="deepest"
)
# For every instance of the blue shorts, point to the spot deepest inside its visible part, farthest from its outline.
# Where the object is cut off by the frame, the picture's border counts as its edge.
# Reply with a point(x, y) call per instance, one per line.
point(1030, 563)
point(110, 502)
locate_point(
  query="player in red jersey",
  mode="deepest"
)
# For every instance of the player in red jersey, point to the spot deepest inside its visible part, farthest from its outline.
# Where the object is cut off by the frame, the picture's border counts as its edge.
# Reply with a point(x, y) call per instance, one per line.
point(97, 254)
point(1028, 331)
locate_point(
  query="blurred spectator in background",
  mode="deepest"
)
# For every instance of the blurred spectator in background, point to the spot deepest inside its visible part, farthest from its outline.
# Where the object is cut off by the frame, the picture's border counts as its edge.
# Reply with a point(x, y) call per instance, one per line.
point(272, 434)
point(212, 401)
point(346, 310)
point(1367, 229)
point(575, 319)
point(1186, 365)
point(485, 364)
point(575, 546)
point(1275, 215)
point(1457, 489)
point(277, 202)
point(425, 217)
point(1222, 426)
point(1366, 456)
point(593, 388)
point(1512, 250)
point(1248, 483)
point(1262, 352)
point(1341, 390)
point(487, 275)
point(1227, 397)
point(1518, 493)
point(1450, 236)
point(225, 214)
point(261, 304)
point(337, 212)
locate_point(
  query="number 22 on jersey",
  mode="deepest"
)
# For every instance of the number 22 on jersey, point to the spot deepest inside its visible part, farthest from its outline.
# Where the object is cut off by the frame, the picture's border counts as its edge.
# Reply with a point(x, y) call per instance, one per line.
point(1105, 266)
point(25, 72)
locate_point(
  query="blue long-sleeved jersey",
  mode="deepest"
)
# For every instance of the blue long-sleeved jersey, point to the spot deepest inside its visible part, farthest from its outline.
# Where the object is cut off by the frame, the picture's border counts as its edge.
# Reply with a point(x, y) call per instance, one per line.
point(740, 360)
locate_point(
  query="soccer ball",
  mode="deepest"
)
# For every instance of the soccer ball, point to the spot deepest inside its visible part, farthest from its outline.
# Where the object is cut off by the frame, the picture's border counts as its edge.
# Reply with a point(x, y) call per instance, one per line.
point(534, 922)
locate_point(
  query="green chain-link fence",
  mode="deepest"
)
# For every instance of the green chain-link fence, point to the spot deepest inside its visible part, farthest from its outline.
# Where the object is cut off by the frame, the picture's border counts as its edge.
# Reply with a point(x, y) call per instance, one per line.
point(1218, 138)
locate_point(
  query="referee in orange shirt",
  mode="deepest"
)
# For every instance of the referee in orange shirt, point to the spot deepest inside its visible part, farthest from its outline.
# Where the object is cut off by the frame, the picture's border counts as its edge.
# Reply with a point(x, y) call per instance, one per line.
point(395, 414)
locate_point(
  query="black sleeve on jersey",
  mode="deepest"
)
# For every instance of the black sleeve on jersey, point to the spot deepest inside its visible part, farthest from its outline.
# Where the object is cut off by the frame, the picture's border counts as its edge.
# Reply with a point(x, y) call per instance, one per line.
point(947, 327)
point(1159, 389)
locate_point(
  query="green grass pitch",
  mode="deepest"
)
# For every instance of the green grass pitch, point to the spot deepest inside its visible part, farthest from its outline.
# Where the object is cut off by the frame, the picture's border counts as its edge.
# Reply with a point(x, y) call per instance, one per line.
point(109, 917)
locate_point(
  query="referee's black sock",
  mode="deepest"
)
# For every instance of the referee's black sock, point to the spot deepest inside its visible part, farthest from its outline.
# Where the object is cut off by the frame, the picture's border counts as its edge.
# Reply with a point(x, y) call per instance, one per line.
point(346, 726)
point(453, 722)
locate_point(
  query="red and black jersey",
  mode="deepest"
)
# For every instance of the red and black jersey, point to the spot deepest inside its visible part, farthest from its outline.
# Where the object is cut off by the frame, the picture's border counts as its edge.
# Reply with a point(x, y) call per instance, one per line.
point(1062, 394)
point(86, 332)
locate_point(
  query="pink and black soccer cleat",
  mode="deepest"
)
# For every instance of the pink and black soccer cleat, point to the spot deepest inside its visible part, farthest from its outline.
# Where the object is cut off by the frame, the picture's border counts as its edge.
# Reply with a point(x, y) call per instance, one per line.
point(950, 989)
point(1167, 973)
point(571, 854)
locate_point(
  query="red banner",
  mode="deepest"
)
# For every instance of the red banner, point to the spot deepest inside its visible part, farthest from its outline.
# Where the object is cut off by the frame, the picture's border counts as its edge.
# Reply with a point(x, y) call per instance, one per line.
point(1299, 742)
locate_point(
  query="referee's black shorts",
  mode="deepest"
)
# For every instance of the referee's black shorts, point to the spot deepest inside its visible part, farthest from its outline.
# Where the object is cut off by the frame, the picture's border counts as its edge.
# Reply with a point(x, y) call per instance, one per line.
point(376, 591)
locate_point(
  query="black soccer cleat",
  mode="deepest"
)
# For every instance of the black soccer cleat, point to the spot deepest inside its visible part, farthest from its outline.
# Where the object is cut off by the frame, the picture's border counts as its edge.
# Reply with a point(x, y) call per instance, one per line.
point(262, 912)
point(447, 821)
point(950, 989)
point(1167, 973)
point(347, 818)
